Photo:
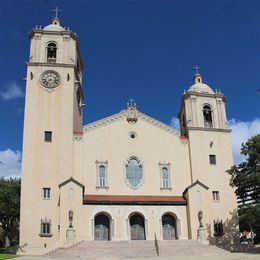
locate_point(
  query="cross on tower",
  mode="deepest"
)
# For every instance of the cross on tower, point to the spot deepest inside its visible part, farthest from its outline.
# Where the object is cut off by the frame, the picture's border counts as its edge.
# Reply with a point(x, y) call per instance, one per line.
point(197, 69)
point(131, 102)
point(56, 10)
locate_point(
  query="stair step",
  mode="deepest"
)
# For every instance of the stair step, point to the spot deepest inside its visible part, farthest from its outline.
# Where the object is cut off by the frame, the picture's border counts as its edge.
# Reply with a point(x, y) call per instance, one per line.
point(131, 249)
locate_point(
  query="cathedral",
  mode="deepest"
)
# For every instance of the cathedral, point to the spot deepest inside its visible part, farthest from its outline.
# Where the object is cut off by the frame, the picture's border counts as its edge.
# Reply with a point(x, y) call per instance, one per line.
point(125, 177)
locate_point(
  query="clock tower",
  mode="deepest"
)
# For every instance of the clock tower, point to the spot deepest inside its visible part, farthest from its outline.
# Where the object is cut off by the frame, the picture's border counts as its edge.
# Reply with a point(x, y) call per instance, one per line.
point(53, 114)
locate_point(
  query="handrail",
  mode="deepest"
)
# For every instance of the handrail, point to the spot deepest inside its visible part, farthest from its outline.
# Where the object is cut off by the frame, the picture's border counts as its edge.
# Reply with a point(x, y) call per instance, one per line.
point(156, 244)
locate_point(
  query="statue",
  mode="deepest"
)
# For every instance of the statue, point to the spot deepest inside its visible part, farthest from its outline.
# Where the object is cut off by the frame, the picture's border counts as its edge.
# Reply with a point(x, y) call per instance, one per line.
point(200, 216)
point(70, 218)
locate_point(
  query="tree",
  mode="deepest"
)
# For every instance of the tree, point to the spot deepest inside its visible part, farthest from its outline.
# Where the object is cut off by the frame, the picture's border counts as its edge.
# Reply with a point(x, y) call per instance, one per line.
point(245, 177)
point(10, 209)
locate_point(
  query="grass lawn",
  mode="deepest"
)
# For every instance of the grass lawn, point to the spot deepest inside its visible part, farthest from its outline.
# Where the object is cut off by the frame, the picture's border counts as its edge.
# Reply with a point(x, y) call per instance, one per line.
point(7, 256)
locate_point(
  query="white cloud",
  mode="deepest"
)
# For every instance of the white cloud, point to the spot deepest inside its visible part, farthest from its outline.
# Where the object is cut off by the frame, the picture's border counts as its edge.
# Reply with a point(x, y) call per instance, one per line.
point(241, 132)
point(10, 163)
point(12, 91)
point(175, 123)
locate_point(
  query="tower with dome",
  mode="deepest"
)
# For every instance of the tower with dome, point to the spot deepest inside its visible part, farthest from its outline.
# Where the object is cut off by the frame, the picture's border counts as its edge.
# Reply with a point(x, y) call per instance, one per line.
point(124, 177)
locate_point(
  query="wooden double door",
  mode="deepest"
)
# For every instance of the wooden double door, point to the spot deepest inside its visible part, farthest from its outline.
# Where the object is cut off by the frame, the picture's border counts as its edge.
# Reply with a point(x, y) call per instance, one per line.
point(169, 227)
point(102, 227)
point(137, 227)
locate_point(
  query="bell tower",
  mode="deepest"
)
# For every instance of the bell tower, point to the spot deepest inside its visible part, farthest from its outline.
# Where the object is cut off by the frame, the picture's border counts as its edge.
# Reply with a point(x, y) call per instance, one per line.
point(202, 108)
point(53, 114)
point(203, 121)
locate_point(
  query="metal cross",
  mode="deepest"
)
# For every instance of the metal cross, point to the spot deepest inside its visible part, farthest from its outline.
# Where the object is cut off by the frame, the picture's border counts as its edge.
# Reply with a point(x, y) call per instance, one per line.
point(56, 10)
point(131, 102)
point(197, 69)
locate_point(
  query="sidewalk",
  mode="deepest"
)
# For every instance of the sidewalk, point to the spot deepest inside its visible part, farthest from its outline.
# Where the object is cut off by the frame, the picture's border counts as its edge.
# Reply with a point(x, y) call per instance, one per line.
point(231, 256)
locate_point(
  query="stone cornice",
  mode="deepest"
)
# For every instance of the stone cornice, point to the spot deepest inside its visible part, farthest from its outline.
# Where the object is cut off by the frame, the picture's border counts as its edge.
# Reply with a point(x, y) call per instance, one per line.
point(210, 129)
point(104, 121)
point(196, 94)
point(49, 64)
point(122, 115)
point(62, 33)
point(158, 124)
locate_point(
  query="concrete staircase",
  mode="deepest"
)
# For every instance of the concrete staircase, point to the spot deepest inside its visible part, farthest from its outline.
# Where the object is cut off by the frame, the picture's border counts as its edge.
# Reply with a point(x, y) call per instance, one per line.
point(134, 249)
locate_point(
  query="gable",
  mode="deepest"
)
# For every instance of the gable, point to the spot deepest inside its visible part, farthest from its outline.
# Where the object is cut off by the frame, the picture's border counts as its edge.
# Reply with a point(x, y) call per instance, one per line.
point(123, 116)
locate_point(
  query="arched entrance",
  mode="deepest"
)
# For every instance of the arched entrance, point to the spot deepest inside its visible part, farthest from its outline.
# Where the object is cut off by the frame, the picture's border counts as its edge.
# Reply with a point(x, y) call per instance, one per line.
point(102, 227)
point(169, 227)
point(137, 227)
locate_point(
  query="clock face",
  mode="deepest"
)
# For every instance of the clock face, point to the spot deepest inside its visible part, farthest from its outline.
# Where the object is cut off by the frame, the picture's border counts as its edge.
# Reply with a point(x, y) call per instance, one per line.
point(50, 79)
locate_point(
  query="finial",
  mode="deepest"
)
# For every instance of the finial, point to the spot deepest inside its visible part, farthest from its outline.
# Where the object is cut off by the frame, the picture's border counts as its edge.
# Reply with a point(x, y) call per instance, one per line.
point(197, 69)
point(197, 77)
point(56, 10)
point(131, 103)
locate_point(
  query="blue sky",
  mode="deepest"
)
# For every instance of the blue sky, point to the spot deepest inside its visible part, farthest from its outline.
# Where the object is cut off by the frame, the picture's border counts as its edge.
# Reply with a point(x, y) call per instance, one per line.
point(143, 49)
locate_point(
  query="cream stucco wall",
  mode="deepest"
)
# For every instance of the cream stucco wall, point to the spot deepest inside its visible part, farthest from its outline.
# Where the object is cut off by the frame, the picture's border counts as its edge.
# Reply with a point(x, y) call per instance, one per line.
point(75, 151)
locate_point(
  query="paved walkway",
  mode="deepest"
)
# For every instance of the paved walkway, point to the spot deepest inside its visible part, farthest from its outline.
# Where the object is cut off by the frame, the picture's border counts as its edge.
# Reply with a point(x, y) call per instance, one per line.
point(232, 256)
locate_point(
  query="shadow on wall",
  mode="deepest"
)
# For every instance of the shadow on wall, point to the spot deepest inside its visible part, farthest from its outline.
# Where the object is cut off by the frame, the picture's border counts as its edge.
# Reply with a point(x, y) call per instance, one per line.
point(230, 239)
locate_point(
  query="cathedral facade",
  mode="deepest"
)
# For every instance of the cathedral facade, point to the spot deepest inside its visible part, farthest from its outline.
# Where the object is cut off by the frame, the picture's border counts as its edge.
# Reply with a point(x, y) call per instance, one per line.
point(124, 177)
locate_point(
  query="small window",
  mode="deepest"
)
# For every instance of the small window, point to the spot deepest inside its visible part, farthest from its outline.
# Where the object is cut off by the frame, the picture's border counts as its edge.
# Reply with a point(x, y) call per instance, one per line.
point(132, 135)
point(102, 176)
point(45, 228)
point(46, 193)
point(102, 182)
point(165, 176)
point(212, 159)
point(215, 195)
point(218, 228)
point(48, 136)
point(51, 52)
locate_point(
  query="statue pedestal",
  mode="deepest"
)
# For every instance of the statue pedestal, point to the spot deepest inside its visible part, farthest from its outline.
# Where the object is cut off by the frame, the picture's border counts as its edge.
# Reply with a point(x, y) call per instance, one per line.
point(202, 236)
point(71, 236)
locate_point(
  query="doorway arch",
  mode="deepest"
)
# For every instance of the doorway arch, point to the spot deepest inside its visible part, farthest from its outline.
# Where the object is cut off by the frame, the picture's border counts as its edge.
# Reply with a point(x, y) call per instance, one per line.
point(169, 227)
point(137, 227)
point(102, 227)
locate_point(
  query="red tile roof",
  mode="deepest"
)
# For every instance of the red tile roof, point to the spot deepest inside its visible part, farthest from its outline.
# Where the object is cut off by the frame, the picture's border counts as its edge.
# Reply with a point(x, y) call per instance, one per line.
point(118, 199)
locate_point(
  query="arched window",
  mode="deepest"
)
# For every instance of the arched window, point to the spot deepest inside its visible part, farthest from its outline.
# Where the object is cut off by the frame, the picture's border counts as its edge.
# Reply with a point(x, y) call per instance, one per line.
point(207, 116)
point(102, 180)
point(51, 52)
point(165, 178)
point(134, 172)
point(102, 176)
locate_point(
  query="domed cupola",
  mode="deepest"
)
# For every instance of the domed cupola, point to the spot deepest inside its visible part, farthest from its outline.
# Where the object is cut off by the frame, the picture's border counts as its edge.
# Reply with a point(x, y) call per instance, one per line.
point(55, 25)
point(198, 85)
point(201, 107)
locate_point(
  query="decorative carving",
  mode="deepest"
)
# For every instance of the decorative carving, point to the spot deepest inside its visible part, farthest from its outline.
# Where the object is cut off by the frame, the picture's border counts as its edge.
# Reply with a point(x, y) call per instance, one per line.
point(78, 137)
point(200, 217)
point(66, 39)
point(70, 218)
point(131, 111)
point(119, 212)
point(37, 37)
